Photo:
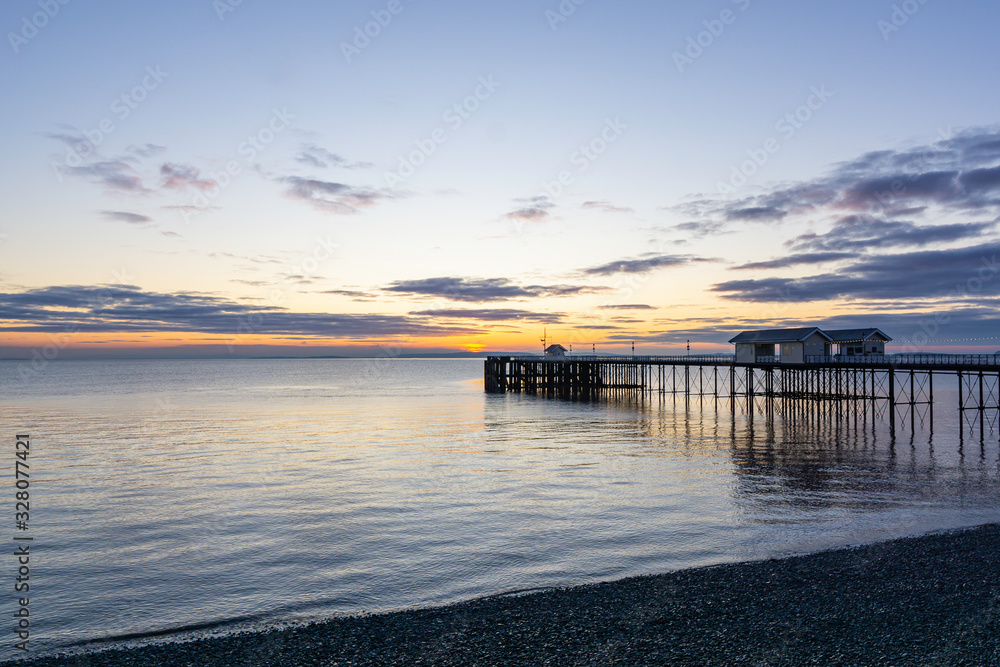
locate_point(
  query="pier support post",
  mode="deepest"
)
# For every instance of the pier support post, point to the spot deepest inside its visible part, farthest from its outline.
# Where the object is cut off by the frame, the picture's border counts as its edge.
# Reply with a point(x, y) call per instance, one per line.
point(982, 409)
point(892, 401)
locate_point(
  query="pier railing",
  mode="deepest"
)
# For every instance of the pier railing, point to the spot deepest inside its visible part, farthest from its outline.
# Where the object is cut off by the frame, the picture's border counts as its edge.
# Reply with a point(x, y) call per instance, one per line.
point(881, 360)
point(948, 360)
point(639, 359)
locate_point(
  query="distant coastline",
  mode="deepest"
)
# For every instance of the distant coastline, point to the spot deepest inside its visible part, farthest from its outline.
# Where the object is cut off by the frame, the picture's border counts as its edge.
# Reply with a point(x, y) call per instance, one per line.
point(236, 357)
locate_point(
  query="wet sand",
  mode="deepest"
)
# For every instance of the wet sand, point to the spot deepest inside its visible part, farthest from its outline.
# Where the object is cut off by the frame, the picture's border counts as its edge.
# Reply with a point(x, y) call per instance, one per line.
point(931, 600)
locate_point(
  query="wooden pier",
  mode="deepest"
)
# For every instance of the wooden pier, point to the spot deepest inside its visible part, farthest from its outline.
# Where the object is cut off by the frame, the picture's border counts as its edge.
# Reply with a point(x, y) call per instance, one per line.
point(893, 385)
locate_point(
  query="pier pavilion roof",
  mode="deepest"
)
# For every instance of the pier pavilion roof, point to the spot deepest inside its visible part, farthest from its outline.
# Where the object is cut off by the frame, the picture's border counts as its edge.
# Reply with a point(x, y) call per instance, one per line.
point(855, 335)
point(778, 335)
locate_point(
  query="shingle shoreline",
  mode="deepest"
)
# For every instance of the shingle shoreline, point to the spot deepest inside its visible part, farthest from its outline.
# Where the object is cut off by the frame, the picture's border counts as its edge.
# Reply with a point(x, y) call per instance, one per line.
point(931, 600)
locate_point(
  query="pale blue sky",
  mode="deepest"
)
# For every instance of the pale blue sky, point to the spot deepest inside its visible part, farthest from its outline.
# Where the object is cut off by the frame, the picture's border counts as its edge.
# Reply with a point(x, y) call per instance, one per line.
point(468, 211)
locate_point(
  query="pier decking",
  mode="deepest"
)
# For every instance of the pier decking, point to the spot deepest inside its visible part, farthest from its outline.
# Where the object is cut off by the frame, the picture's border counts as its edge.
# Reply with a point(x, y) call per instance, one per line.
point(885, 382)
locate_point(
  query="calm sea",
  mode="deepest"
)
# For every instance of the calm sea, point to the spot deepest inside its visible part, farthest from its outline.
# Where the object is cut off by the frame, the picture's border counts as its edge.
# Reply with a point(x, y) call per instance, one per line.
point(223, 494)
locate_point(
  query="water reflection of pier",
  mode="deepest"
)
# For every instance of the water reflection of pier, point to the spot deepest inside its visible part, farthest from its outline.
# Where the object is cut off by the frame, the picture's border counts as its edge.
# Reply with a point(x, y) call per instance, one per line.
point(889, 387)
point(788, 458)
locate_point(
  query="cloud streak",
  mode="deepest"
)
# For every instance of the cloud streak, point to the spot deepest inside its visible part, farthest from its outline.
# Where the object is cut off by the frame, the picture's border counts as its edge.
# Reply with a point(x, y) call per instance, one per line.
point(959, 173)
point(332, 197)
point(126, 308)
point(532, 209)
point(125, 216)
point(606, 207)
point(482, 290)
point(113, 174)
point(964, 273)
point(643, 264)
point(797, 260)
point(859, 233)
point(182, 176)
point(313, 155)
point(492, 315)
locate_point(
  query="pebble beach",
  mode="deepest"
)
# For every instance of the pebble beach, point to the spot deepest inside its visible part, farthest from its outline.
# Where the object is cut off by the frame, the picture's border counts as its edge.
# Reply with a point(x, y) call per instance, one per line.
point(929, 600)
